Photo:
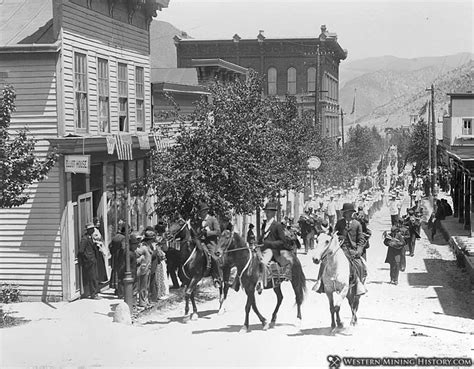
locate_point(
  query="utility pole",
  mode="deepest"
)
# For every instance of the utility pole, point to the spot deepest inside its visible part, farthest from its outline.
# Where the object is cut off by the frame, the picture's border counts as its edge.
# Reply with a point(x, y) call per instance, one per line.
point(316, 92)
point(435, 159)
point(342, 126)
point(429, 140)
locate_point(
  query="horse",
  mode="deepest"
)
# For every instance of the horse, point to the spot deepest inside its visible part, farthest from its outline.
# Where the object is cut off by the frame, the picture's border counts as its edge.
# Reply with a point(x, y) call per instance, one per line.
point(336, 277)
point(193, 263)
point(237, 252)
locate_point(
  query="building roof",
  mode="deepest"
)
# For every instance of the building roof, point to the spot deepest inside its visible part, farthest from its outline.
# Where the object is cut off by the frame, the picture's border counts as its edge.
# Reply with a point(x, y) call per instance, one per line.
point(179, 88)
point(26, 21)
point(462, 153)
point(468, 94)
point(182, 76)
point(219, 63)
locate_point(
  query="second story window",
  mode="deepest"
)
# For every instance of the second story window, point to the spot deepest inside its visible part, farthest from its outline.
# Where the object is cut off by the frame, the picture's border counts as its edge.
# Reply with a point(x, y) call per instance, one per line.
point(272, 81)
point(140, 98)
point(123, 97)
point(80, 92)
point(292, 81)
point(311, 79)
point(103, 92)
point(467, 127)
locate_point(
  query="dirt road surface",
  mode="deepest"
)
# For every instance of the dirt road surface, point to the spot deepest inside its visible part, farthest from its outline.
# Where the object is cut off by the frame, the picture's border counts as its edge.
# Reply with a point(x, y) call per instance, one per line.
point(430, 313)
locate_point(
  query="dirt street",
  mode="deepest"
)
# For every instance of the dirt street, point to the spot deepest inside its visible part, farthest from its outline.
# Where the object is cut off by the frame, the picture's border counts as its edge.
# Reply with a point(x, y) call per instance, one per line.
point(428, 314)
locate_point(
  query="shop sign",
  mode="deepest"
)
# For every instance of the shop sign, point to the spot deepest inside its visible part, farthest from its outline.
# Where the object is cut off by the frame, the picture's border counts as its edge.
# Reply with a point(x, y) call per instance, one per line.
point(77, 164)
point(314, 163)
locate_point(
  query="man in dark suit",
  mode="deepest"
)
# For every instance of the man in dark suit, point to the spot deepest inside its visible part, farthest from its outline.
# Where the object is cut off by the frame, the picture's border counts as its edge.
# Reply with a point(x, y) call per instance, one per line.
point(87, 255)
point(209, 231)
point(274, 242)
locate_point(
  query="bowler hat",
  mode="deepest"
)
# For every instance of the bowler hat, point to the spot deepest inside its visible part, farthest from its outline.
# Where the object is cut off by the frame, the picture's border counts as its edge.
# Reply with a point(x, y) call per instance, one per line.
point(271, 206)
point(347, 207)
point(149, 235)
point(89, 225)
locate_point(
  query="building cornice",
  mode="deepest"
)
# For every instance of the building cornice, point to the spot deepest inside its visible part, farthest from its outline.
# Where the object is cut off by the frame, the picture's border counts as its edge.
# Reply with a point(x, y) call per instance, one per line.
point(31, 48)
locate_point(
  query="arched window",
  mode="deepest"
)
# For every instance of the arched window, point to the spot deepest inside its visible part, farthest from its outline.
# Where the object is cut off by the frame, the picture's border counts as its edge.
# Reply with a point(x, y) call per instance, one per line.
point(292, 81)
point(311, 79)
point(272, 81)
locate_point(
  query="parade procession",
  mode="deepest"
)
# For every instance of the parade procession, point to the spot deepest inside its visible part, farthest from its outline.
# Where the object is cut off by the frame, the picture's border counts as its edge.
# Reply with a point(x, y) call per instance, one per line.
point(181, 188)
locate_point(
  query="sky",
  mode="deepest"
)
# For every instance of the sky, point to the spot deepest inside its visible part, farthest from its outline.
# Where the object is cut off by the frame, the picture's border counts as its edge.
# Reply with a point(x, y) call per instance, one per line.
point(401, 28)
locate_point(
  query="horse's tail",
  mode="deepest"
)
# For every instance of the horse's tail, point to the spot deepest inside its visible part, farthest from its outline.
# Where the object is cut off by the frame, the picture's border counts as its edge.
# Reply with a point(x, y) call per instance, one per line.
point(298, 281)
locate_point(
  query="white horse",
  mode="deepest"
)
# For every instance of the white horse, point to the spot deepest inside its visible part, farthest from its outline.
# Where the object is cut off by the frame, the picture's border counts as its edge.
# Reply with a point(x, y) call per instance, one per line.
point(336, 277)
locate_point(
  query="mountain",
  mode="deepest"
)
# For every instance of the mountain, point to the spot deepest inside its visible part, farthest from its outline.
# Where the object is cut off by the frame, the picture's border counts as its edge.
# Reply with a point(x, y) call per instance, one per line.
point(381, 81)
point(397, 110)
point(163, 50)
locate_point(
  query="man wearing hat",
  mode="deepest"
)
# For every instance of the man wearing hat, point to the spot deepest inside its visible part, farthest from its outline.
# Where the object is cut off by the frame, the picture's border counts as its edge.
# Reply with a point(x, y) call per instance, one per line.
point(274, 242)
point(88, 255)
point(209, 231)
point(331, 210)
point(395, 253)
point(353, 243)
point(413, 223)
point(393, 209)
point(251, 235)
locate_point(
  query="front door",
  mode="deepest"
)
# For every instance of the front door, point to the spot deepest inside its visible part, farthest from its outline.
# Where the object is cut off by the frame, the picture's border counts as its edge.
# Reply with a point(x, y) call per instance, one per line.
point(82, 215)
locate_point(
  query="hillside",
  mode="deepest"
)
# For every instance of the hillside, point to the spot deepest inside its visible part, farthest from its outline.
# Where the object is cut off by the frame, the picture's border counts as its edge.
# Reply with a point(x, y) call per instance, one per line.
point(163, 50)
point(397, 111)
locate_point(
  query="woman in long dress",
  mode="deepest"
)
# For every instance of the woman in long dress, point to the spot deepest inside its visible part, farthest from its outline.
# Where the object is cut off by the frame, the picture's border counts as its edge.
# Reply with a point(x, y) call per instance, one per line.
point(161, 272)
point(102, 262)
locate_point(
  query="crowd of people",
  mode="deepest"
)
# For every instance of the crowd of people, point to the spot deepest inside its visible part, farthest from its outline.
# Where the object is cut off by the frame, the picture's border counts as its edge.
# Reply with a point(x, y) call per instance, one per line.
point(147, 258)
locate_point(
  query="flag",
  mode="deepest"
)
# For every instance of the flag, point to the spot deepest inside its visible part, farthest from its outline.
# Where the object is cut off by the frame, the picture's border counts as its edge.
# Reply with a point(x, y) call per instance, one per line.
point(354, 103)
point(124, 146)
point(143, 141)
point(111, 142)
point(423, 109)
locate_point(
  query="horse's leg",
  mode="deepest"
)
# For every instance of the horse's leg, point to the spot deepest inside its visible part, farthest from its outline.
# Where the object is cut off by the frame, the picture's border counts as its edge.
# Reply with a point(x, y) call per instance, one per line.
point(189, 295)
point(194, 315)
point(223, 290)
point(245, 327)
point(279, 296)
point(260, 316)
point(354, 304)
point(331, 309)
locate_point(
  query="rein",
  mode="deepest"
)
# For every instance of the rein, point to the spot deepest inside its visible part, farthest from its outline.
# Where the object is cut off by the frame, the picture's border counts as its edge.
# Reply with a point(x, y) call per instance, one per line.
point(327, 251)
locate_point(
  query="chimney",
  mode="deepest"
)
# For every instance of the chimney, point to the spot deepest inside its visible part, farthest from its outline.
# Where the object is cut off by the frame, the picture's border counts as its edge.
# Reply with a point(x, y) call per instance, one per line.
point(260, 36)
point(323, 28)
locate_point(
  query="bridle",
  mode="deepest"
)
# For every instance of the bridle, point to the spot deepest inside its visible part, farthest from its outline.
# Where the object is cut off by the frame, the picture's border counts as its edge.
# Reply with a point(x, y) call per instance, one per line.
point(327, 252)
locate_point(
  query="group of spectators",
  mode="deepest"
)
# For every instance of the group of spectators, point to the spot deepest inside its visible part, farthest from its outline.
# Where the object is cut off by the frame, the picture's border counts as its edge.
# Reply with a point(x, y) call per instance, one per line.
point(147, 257)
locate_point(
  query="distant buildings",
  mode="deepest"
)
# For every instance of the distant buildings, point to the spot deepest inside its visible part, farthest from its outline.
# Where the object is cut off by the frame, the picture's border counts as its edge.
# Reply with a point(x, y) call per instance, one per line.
point(458, 140)
point(302, 67)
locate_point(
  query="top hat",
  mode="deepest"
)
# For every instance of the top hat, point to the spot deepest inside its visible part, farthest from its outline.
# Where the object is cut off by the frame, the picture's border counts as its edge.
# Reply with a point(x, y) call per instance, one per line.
point(89, 225)
point(271, 206)
point(347, 207)
point(149, 235)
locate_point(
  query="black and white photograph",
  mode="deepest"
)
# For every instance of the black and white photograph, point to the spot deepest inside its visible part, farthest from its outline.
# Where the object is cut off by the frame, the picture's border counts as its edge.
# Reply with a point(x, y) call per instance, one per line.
point(236, 183)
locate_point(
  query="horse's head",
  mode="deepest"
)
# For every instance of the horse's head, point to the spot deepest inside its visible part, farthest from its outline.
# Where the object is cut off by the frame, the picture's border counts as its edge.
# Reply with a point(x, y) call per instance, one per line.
point(225, 240)
point(323, 244)
point(175, 229)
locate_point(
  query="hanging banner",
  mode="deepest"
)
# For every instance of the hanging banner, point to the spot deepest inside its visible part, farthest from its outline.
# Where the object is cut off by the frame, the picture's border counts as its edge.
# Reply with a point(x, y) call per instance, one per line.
point(111, 142)
point(143, 141)
point(124, 146)
point(77, 164)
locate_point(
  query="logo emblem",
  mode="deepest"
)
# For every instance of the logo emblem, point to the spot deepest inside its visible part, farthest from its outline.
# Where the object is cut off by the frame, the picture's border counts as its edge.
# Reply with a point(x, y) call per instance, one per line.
point(334, 361)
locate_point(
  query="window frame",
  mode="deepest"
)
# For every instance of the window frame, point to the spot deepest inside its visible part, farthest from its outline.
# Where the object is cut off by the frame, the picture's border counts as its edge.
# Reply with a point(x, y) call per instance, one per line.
point(101, 96)
point(309, 81)
point(123, 98)
point(272, 85)
point(84, 92)
point(140, 98)
point(291, 84)
point(469, 130)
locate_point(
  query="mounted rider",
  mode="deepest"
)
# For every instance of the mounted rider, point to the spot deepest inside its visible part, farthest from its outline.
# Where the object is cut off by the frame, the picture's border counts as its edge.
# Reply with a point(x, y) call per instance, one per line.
point(208, 231)
point(352, 242)
point(274, 244)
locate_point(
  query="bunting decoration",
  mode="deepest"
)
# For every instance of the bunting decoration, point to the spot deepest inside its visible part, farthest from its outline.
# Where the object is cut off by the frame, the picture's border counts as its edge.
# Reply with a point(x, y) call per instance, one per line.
point(354, 103)
point(124, 146)
point(111, 142)
point(143, 141)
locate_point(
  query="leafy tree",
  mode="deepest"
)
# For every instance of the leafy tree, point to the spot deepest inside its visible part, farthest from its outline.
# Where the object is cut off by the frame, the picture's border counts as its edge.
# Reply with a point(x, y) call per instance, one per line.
point(418, 146)
point(362, 149)
point(401, 138)
point(19, 165)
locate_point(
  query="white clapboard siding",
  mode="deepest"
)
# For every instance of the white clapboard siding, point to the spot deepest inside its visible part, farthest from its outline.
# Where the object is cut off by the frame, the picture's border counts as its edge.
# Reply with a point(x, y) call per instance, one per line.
point(30, 252)
point(97, 36)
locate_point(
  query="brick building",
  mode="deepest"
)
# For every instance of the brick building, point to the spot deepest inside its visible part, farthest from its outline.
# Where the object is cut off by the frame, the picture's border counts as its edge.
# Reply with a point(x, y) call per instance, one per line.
point(303, 67)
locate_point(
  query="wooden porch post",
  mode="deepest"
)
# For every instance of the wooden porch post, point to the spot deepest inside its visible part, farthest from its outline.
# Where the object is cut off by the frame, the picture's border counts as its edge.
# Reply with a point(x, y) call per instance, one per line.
point(467, 203)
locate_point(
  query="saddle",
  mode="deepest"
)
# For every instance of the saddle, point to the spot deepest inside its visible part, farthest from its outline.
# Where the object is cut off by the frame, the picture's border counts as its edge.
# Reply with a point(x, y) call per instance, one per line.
point(275, 273)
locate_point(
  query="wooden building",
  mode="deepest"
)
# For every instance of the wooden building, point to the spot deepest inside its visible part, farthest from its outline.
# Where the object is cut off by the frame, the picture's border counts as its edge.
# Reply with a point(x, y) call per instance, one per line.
point(458, 140)
point(81, 71)
point(304, 67)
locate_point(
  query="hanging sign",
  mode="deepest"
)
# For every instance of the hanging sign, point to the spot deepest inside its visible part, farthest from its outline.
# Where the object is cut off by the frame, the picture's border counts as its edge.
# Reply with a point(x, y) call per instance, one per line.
point(314, 163)
point(77, 164)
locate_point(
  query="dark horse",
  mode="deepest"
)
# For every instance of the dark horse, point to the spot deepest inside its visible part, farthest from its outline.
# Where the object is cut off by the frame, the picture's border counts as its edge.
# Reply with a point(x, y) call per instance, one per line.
point(193, 261)
point(237, 253)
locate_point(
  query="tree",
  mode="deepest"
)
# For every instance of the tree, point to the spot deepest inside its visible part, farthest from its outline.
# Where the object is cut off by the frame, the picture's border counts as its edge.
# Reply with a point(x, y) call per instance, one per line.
point(19, 165)
point(401, 138)
point(418, 146)
point(362, 149)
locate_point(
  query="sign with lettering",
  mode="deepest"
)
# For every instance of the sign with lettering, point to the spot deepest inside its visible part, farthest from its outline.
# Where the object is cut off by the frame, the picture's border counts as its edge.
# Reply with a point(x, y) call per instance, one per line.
point(77, 164)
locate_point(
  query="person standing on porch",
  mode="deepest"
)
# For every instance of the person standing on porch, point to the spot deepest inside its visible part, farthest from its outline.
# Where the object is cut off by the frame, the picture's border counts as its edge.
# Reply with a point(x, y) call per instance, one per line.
point(88, 255)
